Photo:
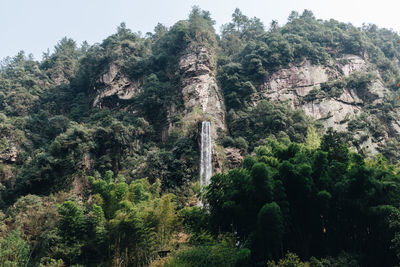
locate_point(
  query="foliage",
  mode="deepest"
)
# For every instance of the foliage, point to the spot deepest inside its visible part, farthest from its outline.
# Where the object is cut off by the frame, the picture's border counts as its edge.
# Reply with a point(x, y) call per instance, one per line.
point(307, 200)
point(35, 218)
point(256, 123)
point(290, 260)
point(128, 222)
point(221, 254)
point(128, 164)
point(13, 250)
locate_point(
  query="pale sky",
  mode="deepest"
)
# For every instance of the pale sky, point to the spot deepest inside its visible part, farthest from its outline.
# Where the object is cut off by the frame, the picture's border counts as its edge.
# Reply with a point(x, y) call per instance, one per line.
point(35, 25)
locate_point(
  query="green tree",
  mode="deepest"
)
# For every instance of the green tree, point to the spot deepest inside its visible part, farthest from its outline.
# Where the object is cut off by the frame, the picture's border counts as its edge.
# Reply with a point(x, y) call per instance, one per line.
point(71, 229)
point(290, 260)
point(14, 251)
point(269, 234)
point(313, 141)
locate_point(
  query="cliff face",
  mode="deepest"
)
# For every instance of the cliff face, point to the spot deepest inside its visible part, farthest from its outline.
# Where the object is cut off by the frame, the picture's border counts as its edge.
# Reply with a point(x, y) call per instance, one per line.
point(113, 83)
point(300, 86)
point(201, 94)
point(8, 149)
point(200, 89)
point(295, 82)
point(198, 86)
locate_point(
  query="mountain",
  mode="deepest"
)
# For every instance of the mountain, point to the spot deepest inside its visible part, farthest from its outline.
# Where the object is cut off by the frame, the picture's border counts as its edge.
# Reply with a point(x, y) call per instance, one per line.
point(113, 129)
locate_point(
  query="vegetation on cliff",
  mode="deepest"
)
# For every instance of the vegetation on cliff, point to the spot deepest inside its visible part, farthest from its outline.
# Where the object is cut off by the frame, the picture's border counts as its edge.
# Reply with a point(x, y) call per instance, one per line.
point(98, 163)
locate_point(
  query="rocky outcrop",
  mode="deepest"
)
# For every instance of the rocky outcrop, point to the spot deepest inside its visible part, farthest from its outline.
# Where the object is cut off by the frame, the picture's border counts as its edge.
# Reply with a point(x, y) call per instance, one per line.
point(199, 88)
point(331, 112)
point(295, 83)
point(202, 97)
point(10, 140)
point(379, 91)
point(8, 149)
point(233, 156)
point(114, 83)
point(349, 64)
point(58, 78)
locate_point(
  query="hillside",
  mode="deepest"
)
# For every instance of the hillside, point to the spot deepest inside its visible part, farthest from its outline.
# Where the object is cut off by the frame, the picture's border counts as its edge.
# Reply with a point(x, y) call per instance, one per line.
point(99, 146)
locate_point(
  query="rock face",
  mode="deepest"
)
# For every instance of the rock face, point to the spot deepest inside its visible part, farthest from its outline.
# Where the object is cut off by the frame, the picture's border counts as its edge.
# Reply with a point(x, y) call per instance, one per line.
point(202, 96)
point(10, 140)
point(293, 85)
point(351, 63)
point(200, 89)
point(233, 157)
point(332, 112)
point(296, 81)
point(115, 83)
point(58, 78)
point(8, 149)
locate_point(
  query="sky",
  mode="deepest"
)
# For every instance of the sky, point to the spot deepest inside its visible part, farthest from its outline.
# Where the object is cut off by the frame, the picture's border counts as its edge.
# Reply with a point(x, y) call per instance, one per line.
point(37, 25)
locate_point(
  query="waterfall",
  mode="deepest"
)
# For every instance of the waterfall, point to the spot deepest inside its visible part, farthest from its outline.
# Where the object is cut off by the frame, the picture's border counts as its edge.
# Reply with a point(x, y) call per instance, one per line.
point(205, 157)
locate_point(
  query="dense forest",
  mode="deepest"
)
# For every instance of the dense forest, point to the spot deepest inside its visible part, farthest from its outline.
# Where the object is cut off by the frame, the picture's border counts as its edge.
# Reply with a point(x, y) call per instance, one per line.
point(99, 147)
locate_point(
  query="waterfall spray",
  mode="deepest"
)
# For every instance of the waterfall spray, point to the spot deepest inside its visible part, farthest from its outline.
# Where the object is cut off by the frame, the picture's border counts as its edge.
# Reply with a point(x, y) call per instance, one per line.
point(205, 157)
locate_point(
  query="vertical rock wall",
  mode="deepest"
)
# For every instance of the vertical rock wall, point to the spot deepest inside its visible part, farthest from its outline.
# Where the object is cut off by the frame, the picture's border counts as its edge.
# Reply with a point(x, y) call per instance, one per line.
point(199, 88)
point(294, 83)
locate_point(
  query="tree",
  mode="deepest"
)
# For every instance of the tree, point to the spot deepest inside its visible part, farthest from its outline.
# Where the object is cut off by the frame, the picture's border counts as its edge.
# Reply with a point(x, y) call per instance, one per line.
point(269, 233)
point(262, 182)
point(273, 26)
point(14, 251)
point(313, 140)
point(290, 260)
point(239, 20)
point(71, 229)
point(168, 220)
point(201, 31)
point(293, 15)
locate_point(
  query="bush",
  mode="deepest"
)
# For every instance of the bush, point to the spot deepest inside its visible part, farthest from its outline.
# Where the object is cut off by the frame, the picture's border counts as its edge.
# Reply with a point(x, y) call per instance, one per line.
point(13, 250)
point(208, 256)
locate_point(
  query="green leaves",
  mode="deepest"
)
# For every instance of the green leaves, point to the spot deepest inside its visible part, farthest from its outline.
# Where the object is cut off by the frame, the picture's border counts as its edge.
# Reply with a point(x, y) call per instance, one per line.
point(267, 119)
point(209, 256)
point(72, 222)
point(135, 219)
point(270, 228)
point(298, 197)
point(262, 182)
point(312, 198)
point(13, 250)
point(72, 230)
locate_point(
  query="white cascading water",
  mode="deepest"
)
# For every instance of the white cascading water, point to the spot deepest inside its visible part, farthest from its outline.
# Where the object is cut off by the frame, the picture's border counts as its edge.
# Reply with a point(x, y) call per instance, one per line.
point(205, 157)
